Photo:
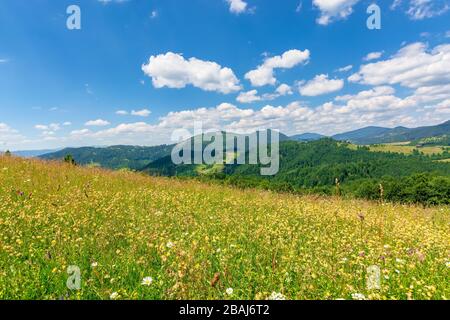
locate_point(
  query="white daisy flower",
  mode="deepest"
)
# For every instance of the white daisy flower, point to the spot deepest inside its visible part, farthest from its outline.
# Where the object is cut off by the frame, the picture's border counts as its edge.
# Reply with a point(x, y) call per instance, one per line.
point(147, 281)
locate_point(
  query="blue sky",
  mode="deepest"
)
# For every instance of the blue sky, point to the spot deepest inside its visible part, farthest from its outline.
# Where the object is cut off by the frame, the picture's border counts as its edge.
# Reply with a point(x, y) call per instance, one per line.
point(238, 65)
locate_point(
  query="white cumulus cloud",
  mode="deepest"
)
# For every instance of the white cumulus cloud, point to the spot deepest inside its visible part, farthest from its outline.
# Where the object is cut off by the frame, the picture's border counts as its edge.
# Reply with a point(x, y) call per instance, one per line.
point(174, 71)
point(412, 66)
point(284, 90)
point(97, 123)
point(248, 97)
point(237, 6)
point(48, 127)
point(331, 10)
point(141, 113)
point(264, 74)
point(321, 85)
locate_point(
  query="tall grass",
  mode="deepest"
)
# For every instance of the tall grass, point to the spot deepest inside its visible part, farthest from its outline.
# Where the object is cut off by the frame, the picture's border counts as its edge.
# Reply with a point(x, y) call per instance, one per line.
point(195, 241)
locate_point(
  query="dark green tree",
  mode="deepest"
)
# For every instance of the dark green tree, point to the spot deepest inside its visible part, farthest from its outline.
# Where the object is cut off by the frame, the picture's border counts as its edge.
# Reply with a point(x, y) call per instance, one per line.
point(69, 159)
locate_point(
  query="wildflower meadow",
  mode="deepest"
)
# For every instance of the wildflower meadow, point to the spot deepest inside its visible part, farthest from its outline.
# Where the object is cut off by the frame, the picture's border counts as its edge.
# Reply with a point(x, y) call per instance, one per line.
point(131, 236)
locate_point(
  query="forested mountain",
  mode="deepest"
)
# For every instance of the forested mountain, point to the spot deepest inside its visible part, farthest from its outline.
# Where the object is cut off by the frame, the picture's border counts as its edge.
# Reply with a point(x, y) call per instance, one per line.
point(114, 157)
point(137, 157)
point(443, 140)
point(315, 166)
point(377, 135)
point(319, 163)
point(361, 136)
point(307, 137)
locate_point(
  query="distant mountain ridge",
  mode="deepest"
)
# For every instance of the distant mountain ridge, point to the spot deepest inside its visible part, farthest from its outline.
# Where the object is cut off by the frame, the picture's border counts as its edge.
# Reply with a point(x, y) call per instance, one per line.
point(33, 153)
point(378, 135)
point(136, 158)
point(307, 137)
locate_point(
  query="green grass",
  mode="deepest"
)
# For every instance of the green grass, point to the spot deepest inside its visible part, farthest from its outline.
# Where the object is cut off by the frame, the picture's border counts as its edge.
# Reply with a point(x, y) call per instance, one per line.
point(404, 149)
point(120, 227)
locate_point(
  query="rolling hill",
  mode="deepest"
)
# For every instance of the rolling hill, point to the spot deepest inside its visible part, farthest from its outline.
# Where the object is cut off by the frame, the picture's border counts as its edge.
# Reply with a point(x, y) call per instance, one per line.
point(134, 157)
point(114, 157)
point(119, 228)
point(314, 166)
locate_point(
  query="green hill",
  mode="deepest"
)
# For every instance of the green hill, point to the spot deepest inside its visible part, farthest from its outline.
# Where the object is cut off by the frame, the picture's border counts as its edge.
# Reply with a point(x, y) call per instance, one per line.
point(315, 166)
point(120, 228)
point(114, 157)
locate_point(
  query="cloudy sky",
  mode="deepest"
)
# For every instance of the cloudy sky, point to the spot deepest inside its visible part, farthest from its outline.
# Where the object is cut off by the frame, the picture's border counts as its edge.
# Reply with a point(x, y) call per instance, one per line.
point(139, 69)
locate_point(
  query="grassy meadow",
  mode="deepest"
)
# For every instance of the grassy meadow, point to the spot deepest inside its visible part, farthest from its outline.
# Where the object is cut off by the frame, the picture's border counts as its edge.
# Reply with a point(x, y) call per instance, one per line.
point(405, 149)
point(139, 237)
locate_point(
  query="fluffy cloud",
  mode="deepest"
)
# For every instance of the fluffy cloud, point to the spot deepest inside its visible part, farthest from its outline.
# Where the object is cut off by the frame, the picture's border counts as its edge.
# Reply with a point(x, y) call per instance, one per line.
point(174, 71)
point(261, 76)
point(97, 123)
point(41, 127)
point(332, 10)
point(9, 136)
point(248, 97)
point(284, 90)
point(378, 99)
point(377, 106)
point(237, 6)
point(373, 56)
point(49, 127)
point(413, 67)
point(431, 94)
point(138, 113)
point(264, 74)
point(444, 107)
point(321, 85)
point(141, 113)
point(4, 128)
point(252, 95)
point(79, 133)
